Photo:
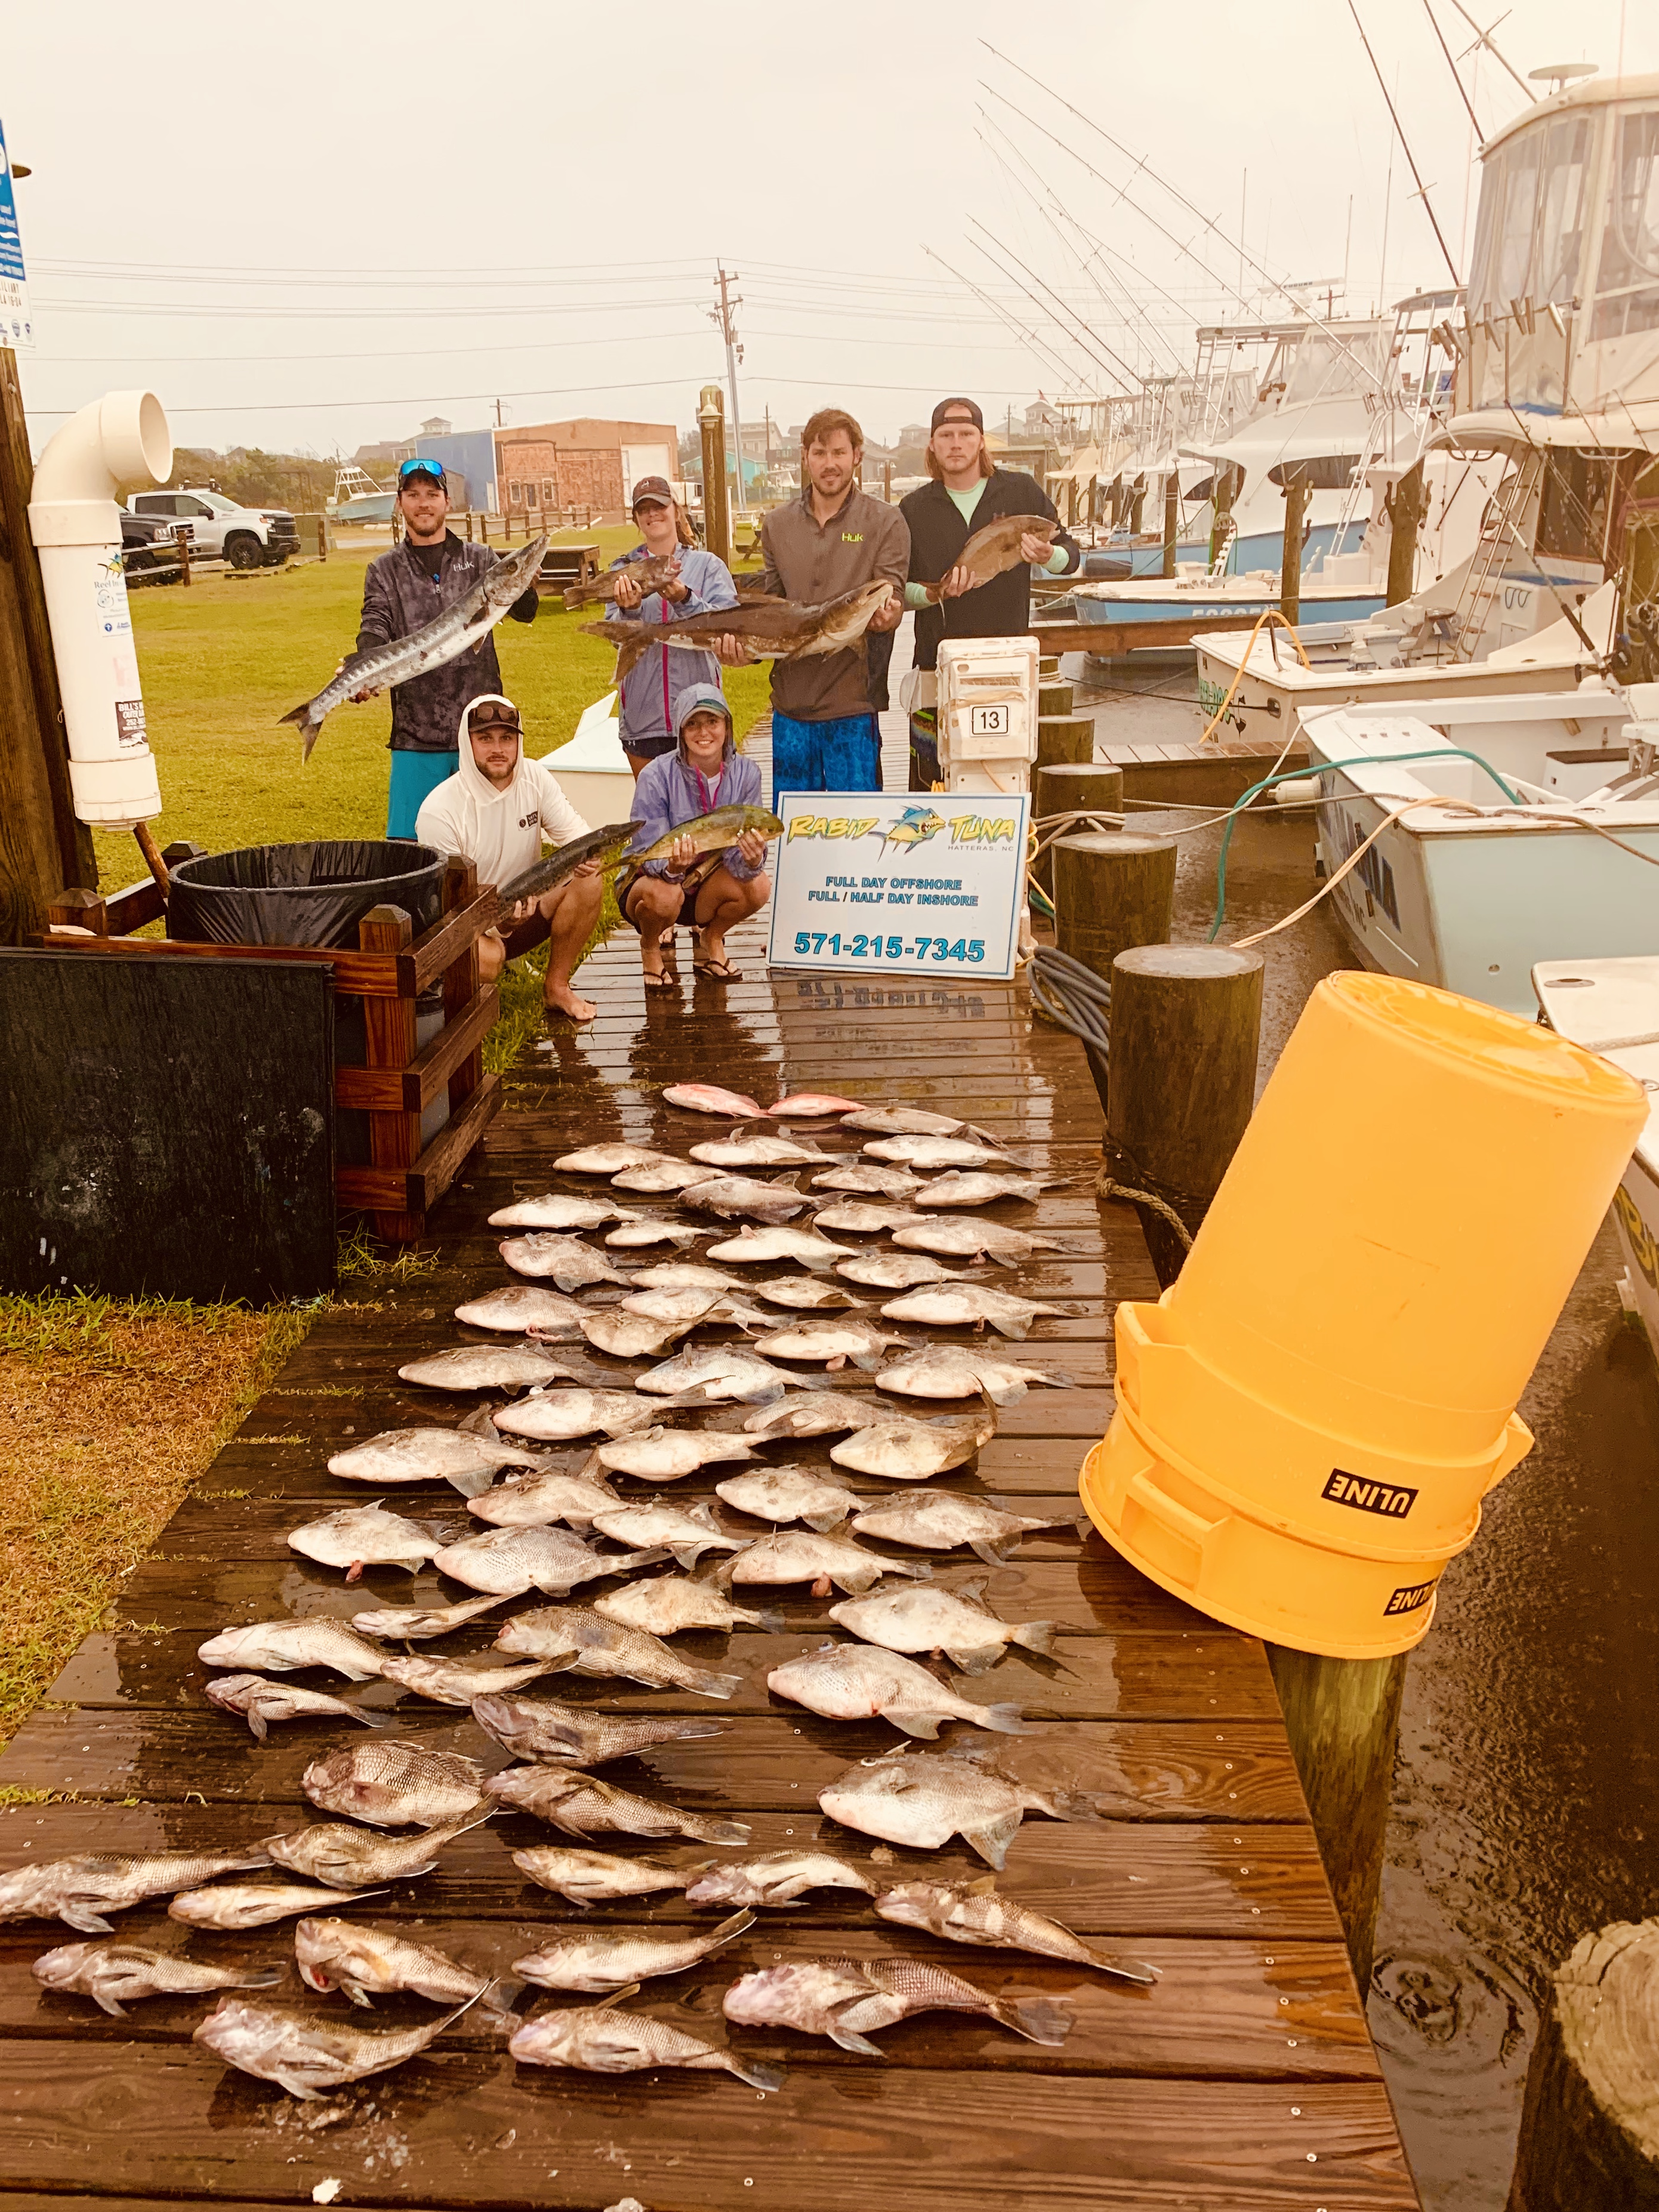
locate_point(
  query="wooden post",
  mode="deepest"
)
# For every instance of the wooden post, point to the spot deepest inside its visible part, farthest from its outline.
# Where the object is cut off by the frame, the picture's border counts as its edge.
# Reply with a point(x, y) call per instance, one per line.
point(1186, 1026)
point(1290, 567)
point(181, 848)
point(42, 846)
point(1136, 505)
point(1590, 2130)
point(1048, 667)
point(1072, 787)
point(1171, 520)
point(1226, 487)
point(322, 536)
point(181, 540)
point(1113, 889)
point(1405, 512)
point(1055, 696)
point(461, 980)
point(1065, 738)
point(1343, 1719)
point(389, 1033)
point(716, 515)
point(76, 909)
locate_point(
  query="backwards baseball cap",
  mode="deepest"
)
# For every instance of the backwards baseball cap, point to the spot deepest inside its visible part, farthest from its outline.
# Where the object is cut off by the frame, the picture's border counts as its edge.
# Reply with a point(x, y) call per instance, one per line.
point(420, 467)
point(948, 408)
point(652, 490)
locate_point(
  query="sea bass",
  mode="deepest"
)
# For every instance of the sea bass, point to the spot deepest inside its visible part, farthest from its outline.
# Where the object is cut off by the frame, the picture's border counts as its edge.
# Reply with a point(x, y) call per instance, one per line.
point(582, 1805)
point(851, 1682)
point(580, 1641)
point(956, 1622)
point(394, 1785)
point(602, 2040)
point(775, 1878)
point(260, 1703)
point(712, 833)
point(304, 2056)
point(709, 1098)
point(81, 1890)
point(542, 1729)
point(279, 1647)
point(772, 629)
point(115, 1975)
point(455, 631)
point(921, 1799)
point(997, 548)
point(612, 1959)
point(345, 1955)
point(843, 1998)
point(346, 1858)
point(974, 1912)
point(365, 1536)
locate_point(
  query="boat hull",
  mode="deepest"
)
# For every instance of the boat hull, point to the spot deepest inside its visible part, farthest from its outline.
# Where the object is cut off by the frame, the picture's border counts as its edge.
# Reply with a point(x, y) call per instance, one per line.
point(1138, 604)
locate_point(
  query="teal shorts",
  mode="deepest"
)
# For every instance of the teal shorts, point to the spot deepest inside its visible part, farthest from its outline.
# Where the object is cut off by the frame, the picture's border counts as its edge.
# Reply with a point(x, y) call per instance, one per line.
point(415, 776)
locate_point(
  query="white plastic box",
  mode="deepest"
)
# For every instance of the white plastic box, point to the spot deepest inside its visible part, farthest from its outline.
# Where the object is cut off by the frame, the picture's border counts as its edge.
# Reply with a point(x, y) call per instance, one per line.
point(987, 713)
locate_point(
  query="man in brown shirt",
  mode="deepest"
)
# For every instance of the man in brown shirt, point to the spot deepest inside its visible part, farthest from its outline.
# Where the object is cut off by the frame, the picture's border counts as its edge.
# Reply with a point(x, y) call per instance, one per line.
point(834, 537)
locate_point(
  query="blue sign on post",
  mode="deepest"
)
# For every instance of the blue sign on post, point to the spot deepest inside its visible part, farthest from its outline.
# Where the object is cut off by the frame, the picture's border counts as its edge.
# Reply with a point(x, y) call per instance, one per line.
point(16, 325)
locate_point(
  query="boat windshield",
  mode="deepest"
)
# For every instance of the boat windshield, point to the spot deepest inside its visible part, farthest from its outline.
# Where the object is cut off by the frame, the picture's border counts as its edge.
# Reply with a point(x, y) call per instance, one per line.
point(1628, 285)
point(1529, 232)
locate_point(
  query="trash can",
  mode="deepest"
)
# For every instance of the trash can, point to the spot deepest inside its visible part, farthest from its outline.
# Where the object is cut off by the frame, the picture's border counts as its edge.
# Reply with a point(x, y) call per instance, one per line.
point(316, 894)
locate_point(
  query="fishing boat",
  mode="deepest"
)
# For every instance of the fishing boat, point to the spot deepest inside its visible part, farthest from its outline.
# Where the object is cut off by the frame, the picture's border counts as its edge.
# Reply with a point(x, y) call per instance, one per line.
point(358, 498)
point(1556, 377)
point(1612, 1007)
point(1504, 854)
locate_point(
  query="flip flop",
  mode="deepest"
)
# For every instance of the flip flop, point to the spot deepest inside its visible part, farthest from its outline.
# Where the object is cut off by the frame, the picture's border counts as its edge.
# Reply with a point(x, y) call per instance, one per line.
point(718, 971)
point(661, 980)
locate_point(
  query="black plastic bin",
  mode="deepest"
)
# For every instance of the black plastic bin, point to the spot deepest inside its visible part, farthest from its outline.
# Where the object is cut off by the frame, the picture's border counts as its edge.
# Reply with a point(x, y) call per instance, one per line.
point(313, 894)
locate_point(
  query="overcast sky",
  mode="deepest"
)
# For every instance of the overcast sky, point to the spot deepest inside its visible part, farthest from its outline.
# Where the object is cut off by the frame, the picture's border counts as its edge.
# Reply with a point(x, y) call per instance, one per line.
point(310, 227)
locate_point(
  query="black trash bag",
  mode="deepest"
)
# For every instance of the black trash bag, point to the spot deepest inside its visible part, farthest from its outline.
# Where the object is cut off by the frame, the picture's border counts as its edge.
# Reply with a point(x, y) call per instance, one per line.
point(313, 894)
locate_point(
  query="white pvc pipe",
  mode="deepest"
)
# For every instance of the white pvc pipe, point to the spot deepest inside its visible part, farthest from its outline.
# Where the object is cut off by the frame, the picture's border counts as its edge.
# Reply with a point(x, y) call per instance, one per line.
point(76, 527)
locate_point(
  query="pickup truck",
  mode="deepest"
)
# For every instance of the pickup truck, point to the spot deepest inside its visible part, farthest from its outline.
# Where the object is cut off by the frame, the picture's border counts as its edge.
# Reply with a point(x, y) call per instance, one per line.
point(147, 542)
point(246, 537)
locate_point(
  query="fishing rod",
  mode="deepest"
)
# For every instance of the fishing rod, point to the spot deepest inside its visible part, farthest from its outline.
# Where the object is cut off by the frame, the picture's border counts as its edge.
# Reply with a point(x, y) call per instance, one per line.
point(1028, 338)
point(1300, 306)
point(1485, 38)
point(1422, 192)
point(1473, 118)
point(1086, 339)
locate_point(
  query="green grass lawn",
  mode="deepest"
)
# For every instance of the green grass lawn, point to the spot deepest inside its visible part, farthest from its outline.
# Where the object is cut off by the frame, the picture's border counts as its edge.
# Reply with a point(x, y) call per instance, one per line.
point(224, 661)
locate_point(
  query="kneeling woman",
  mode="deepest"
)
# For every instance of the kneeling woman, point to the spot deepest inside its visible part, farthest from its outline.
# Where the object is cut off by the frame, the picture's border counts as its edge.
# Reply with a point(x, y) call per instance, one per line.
point(710, 892)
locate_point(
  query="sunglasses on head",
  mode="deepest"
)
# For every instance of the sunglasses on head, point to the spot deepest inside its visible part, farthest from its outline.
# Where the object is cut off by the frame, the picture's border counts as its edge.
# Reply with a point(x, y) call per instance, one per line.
point(492, 717)
point(430, 470)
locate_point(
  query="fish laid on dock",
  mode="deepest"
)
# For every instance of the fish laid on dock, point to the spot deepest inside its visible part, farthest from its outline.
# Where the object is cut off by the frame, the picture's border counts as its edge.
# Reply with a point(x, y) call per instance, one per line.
point(906, 1450)
point(972, 1240)
point(796, 1555)
point(751, 1247)
point(449, 635)
point(530, 1501)
point(543, 1556)
point(865, 1180)
point(812, 1106)
point(279, 1647)
point(773, 629)
point(582, 1805)
point(580, 1641)
point(634, 1234)
point(790, 1494)
point(612, 1959)
point(709, 1098)
point(867, 1217)
point(484, 1367)
point(979, 1187)
point(807, 1294)
point(345, 1955)
point(845, 1999)
point(671, 1604)
point(920, 1800)
point(666, 1455)
point(542, 1729)
point(459, 1456)
point(306, 2055)
point(713, 1373)
point(970, 1305)
point(346, 1858)
point(415, 1624)
point(458, 1682)
point(116, 1975)
point(517, 1308)
point(555, 1211)
point(756, 1150)
point(565, 1262)
point(813, 1413)
point(832, 1339)
point(684, 1532)
point(909, 1121)
point(596, 1877)
point(736, 1197)
point(853, 1682)
point(975, 1913)
point(956, 1622)
point(234, 1905)
point(394, 1785)
point(951, 1371)
point(997, 548)
point(362, 1536)
point(261, 1703)
point(81, 1890)
point(559, 1416)
point(893, 1271)
point(928, 1152)
point(775, 1878)
point(945, 1521)
point(600, 2039)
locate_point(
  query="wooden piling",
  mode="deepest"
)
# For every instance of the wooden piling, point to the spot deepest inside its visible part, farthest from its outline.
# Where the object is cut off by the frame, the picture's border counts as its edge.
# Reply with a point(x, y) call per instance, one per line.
point(322, 536)
point(1226, 489)
point(1065, 738)
point(1172, 520)
point(1406, 510)
point(1290, 569)
point(181, 540)
point(1589, 2127)
point(1072, 787)
point(1343, 1719)
point(1186, 1030)
point(716, 512)
point(1055, 696)
point(1113, 889)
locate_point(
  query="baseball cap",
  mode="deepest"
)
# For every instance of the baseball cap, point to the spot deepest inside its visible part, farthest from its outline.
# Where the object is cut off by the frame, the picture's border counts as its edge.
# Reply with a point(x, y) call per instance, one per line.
point(420, 467)
point(652, 488)
point(698, 699)
point(969, 407)
point(493, 713)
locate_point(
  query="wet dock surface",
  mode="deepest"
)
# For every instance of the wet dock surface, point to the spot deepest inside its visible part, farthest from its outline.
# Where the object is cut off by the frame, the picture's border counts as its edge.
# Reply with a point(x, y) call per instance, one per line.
point(1245, 2080)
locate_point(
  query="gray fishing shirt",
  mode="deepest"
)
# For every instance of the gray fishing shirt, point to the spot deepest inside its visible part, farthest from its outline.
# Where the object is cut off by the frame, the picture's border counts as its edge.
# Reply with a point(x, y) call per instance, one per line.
point(400, 597)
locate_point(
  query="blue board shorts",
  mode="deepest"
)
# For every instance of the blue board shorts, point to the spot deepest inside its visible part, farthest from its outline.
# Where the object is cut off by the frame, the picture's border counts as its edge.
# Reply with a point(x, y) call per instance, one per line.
point(415, 776)
point(843, 754)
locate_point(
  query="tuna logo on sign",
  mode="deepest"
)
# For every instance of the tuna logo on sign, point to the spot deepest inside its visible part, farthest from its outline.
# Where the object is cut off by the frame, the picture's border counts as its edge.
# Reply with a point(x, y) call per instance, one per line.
point(1392, 1500)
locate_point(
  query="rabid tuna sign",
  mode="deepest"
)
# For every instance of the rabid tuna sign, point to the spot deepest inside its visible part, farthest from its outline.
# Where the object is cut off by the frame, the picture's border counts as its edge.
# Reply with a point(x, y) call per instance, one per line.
point(928, 884)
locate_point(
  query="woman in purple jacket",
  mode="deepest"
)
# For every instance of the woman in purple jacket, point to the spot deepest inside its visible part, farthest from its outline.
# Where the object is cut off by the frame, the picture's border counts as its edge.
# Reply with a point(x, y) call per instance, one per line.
point(710, 893)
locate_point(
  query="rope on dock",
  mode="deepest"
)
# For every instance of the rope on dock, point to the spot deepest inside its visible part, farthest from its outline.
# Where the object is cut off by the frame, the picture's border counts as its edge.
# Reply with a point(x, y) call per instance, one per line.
point(1105, 1188)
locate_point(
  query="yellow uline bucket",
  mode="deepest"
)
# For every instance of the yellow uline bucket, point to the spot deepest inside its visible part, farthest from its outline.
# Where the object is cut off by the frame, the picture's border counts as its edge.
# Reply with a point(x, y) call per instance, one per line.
point(1308, 1418)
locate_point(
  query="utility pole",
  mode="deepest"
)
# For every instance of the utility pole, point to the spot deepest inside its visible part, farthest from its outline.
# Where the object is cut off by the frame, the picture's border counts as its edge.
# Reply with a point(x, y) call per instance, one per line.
point(726, 318)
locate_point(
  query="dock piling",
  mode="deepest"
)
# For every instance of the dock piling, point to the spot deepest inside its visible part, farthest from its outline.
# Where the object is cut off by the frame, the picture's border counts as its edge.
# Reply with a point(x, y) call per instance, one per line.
point(1072, 787)
point(1064, 737)
point(1113, 889)
point(1588, 2139)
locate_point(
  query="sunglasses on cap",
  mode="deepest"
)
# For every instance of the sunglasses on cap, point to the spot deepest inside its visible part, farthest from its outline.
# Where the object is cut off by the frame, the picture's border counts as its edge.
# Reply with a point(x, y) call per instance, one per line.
point(418, 467)
point(492, 715)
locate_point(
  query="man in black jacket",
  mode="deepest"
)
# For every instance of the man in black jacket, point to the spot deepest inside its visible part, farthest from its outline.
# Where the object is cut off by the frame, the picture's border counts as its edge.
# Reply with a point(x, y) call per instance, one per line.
point(404, 590)
point(966, 493)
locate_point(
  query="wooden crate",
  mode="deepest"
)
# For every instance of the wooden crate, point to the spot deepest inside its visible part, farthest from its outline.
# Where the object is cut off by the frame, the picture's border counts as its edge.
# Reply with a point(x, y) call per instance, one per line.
point(389, 970)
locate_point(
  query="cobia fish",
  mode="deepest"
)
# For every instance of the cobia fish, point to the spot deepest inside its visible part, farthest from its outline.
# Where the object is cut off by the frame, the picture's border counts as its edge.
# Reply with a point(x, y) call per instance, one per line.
point(279, 1647)
point(775, 1878)
point(749, 1247)
point(944, 1521)
point(260, 1703)
point(582, 1805)
point(650, 571)
point(484, 1367)
point(306, 2055)
point(346, 1858)
point(772, 629)
point(843, 1998)
point(555, 1211)
point(345, 1955)
point(668, 1605)
point(234, 1905)
point(81, 1890)
point(116, 1975)
point(964, 1305)
point(530, 1501)
point(460, 1456)
point(365, 1536)
point(956, 1622)
point(449, 634)
point(542, 1729)
point(951, 1371)
point(920, 1800)
point(565, 1262)
point(602, 2040)
point(907, 1450)
point(789, 1493)
point(998, 547)
point(596, 1877)
point(415, 1624)
point(794, 1555)
point(812, 1106)
point(975, 1913)
point(851, 1682)
point(617, 1959)
point(394, 1785)
point(709, 1098)
point(580, 1641)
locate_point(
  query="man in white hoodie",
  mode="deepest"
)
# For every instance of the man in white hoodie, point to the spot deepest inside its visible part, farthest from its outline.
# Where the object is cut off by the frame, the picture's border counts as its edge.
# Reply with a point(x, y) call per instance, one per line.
point(497, 810)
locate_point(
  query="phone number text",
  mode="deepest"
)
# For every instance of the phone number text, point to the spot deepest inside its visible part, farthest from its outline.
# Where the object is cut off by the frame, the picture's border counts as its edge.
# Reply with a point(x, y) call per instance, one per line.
point(818, 944)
